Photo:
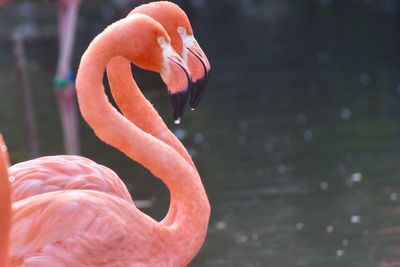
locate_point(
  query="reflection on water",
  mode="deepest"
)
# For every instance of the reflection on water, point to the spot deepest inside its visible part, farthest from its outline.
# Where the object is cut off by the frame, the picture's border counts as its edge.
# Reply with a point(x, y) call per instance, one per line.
point(297, 139)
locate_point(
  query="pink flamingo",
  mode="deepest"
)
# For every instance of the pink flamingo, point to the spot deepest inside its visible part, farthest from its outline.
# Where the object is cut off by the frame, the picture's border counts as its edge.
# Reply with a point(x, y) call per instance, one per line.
point(5, 205)
point(73, 172)
point(63, 83)
point(99, 228)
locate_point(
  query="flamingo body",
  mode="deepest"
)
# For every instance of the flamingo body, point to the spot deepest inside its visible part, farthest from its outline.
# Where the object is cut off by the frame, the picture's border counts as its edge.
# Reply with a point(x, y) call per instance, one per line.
point(98, 229)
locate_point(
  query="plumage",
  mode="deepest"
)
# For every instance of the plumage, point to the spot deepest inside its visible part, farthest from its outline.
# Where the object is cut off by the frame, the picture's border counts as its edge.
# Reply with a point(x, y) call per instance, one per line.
point(55, 173)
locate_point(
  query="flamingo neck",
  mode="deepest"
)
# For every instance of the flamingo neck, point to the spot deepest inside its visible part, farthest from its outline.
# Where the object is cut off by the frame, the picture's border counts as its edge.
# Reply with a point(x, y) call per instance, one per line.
point(5, 205)
point(188, 229)
point(125, 91)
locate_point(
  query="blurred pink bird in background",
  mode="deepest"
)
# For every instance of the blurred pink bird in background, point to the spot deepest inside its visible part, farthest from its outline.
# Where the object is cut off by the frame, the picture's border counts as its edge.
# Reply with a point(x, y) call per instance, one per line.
point(64, 80)
point(64, 84)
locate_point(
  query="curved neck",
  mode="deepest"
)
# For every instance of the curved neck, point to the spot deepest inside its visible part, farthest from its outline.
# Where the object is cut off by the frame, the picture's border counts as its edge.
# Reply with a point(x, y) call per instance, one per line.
point(5, 205)
point(187, 191)
point(137, 108)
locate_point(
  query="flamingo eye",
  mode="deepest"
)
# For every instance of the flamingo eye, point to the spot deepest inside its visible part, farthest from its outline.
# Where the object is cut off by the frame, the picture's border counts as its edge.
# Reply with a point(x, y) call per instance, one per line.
point(181, 30)
point(161, 41)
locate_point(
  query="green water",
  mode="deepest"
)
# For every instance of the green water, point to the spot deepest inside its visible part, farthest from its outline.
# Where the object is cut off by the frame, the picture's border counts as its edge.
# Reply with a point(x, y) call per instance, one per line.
point(297, 139)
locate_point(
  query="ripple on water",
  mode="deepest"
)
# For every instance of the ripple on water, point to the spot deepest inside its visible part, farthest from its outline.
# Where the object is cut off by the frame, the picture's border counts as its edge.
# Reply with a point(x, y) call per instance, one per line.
point(330, 229)
point(180, 133)
point(198, 138)
point(345, 113)
point(324, 186)
point(394, 196)
point(299, 226)
point(220, 225)
point(308, 135)
point(355, 219)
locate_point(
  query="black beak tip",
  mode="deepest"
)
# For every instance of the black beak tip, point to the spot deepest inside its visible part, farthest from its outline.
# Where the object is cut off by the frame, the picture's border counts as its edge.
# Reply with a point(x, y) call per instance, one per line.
point(178, 101)
point(197, 91)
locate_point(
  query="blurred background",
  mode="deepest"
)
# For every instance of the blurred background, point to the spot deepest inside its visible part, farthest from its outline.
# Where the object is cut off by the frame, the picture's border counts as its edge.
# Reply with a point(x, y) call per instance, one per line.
point(297, 139)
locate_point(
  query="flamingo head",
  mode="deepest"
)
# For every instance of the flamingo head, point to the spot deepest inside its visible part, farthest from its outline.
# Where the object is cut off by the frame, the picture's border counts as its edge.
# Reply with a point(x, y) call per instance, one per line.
point(178, 27)
point(151, 49)
point(176, 76)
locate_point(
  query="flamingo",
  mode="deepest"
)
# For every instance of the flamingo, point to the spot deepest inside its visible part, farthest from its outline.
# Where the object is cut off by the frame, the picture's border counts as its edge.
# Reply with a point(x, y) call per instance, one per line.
point(5, 205)
point(63, 82)
point(54, 173)
point(99, 228)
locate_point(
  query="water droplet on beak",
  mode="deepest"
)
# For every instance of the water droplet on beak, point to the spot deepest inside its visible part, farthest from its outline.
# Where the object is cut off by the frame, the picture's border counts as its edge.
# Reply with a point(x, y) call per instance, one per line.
point(177, 121)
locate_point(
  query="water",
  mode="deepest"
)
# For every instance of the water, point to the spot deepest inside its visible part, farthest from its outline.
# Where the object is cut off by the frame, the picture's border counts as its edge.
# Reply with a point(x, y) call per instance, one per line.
point(297, 138)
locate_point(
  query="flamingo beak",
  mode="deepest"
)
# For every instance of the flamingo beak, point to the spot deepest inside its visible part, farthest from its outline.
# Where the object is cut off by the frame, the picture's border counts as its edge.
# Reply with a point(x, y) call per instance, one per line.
point(200, 69)
point(177, 77)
